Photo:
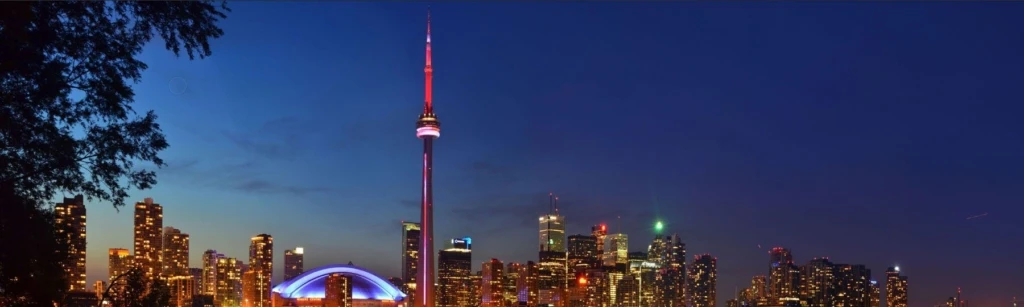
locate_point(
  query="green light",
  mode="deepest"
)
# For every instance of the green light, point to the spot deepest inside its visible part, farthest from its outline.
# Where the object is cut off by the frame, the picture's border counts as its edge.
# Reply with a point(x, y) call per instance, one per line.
point(658, 226)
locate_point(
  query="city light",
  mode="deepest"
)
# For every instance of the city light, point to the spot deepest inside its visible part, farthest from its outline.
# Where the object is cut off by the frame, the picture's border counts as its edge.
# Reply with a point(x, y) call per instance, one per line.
point(658, 226)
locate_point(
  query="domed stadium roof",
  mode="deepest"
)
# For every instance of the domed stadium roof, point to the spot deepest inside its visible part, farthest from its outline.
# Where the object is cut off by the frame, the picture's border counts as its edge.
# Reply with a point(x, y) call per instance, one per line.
point(365, 284)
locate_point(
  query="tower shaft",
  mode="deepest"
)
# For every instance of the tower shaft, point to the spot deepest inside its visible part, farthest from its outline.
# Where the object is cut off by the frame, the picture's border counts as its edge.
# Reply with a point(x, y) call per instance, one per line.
point(428, 128)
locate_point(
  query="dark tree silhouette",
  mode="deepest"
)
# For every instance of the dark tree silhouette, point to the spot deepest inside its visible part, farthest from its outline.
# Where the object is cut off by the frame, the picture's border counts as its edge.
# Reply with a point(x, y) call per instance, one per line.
point(66, 121)
point(131, 290)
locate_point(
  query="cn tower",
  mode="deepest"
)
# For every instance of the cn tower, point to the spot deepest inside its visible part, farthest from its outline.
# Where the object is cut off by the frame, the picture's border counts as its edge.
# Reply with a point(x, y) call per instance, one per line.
point(428, 128)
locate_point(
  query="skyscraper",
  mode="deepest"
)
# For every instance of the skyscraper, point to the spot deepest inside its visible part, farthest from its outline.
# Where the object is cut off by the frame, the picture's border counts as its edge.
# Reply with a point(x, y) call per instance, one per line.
point(511, 282)
point(627, 292)
point(895, 288)
point(492, 284)
point(182, 288)
point(526, 286)
point(249, 293)
point(552, 228)
point(703, 281)
point(410, 257)
point(175, 252)
point(70, 218)
point(668, 254)
point(454, 271)
point(781, 275)
point(616, 250)
point(817, 282)
point(119, 261)
point(582, 252)
point(208, 284)
point(229, 282)
point(293, 263)
point(337, 290)
point(599, 232)
point(428, 128)
point(853, 285)
point(261, 261)
point(149, 221)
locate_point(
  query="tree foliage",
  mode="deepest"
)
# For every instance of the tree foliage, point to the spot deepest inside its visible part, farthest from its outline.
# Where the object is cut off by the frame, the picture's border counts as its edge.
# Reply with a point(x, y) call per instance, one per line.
point(131, 289)
point(66, 121)
point(66, 69)
point(31, 254)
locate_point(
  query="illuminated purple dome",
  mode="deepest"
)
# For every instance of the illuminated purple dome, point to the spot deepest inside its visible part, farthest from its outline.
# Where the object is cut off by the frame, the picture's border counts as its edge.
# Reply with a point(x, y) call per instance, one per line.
point(365, 284)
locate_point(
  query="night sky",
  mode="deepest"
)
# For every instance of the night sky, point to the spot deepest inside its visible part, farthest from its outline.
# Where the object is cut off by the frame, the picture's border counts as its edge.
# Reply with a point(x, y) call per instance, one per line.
point(865, 132)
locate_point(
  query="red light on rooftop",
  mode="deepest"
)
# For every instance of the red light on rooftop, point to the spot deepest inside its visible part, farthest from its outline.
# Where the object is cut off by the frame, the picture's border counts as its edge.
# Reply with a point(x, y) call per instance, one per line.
point(603, 227)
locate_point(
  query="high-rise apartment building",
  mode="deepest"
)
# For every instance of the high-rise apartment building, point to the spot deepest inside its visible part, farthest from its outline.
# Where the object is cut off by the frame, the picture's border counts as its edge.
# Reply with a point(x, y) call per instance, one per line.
point(454, 271)
point(492, 292)
point(817, 282)
point(627, 292)
point(293, 263)
point(337, 290)
point(876, 295)
point(597, 288)
point(249, 293)
point(261, 262)
point(410, 258)
point(149, 222)
point(208, 283)
point(703, 281)
point(197, 276)
point(175, 252)
point(853, 285)
point(182, 288)
point(756, 293)
point(99, 287)
point(119, 261)
point(582, 253)
point(70, 219)
point(229, 282)
point(668, 254)
point(895, 288)
point(782, 275)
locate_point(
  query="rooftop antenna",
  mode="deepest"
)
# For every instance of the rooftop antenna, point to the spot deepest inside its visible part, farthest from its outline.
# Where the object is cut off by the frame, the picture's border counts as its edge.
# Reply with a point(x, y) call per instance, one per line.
point(620, 223)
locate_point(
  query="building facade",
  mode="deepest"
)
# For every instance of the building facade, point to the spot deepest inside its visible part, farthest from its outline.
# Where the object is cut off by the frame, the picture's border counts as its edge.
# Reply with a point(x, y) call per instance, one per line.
point(208, 283)
point(149, 222)
point(454, 269)
point(229, 282)
point(410, 257)
point(492, 284)
point(293, 262)
point(703, 281)
point(70, 218)
point(261, 262)
point(895, 288)
point(175, 252)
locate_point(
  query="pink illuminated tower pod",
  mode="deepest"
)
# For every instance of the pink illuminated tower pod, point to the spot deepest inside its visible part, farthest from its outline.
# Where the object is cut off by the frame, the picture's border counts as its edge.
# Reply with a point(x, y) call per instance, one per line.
point(428, 128)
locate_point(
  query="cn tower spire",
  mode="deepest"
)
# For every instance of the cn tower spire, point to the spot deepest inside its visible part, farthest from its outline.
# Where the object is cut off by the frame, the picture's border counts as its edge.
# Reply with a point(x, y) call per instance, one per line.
point(428, 70)
point(428, 128)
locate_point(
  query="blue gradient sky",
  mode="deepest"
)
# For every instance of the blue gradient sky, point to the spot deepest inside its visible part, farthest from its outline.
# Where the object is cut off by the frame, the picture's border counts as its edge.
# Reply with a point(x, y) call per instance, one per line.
point(865, 132)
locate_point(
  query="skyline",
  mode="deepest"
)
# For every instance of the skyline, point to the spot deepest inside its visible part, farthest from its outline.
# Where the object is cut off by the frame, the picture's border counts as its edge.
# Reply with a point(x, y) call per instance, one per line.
point(499, 175)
